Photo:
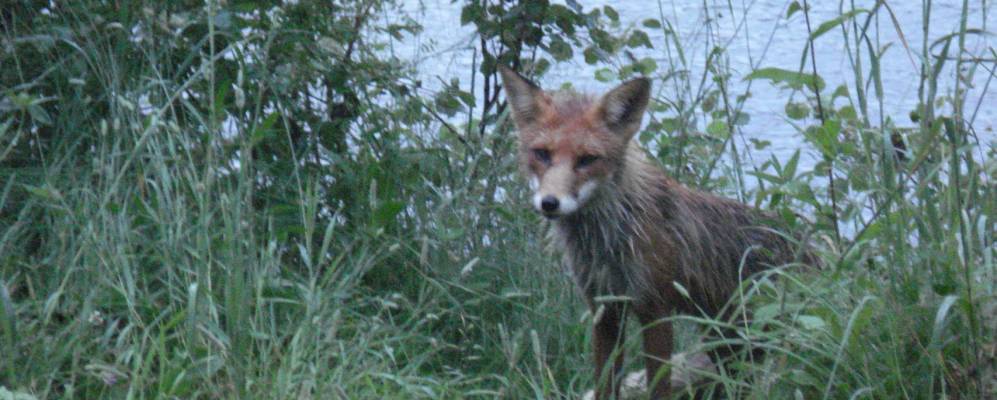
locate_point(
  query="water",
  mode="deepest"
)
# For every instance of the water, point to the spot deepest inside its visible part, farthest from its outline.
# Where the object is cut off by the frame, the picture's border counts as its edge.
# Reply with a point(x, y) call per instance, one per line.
point(756, 35)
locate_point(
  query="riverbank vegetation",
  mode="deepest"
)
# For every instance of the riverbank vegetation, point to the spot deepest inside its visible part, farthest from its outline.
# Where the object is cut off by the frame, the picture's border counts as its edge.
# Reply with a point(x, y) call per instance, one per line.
point(245, 200)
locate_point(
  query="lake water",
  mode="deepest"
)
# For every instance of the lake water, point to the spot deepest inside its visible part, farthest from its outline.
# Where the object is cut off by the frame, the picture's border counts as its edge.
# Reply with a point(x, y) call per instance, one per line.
point(757, 34)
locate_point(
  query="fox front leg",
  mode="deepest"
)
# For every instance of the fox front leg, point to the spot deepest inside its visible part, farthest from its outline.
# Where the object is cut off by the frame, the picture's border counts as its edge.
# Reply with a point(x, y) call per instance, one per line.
point(607, 334)
point(657, 338)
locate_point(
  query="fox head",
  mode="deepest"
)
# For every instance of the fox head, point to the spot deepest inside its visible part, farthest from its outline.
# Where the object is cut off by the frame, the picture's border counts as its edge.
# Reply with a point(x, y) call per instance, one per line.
point(571, 145)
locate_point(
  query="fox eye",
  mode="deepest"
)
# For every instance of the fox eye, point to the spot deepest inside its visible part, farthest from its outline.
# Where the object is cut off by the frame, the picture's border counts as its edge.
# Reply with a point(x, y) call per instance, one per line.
point(543, 155)
point(586, 160)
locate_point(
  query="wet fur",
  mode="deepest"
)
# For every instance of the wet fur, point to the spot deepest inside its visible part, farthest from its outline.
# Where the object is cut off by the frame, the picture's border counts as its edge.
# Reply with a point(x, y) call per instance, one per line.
point(641, 233)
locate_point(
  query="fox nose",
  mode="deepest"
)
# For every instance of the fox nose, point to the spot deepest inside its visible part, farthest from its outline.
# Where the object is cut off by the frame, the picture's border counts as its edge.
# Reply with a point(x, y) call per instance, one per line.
point(549, 203)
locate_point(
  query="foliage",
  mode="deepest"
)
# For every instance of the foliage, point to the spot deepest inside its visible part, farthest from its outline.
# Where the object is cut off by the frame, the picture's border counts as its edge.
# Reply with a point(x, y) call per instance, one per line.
point(255, 200)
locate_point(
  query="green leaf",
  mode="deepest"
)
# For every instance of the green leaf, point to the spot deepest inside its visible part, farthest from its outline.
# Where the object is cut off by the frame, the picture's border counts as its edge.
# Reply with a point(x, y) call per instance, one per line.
point(591, 55)
point(447, 103)
point(793, 8)
point(840, 91)
point(46, 193)
point(564, 18)
point(541, 66)
point(709, 102)
point(386, 212)
point(466, 97)
point(470, 13)
point(611, 13)
point(670, 125)
point(832, 127)
point(828, 25)
point(647, 65)
point(639, 38)
point(793, 79)
point(717, 128)
point(848, 113)
point(789, 170)
point(760, 144)
point(560, 49)
point(766, 177)
point(39, 115)
point(8, 329)
point(652, 23)
point(264, 129)
point(811, 322)
point(767, 312)
point(871, 231)
point(826, 137)
point(797, 110)
point(605, 75)
point(802, 378)
point(603, 39)
point(741, 118)
point(532, 9)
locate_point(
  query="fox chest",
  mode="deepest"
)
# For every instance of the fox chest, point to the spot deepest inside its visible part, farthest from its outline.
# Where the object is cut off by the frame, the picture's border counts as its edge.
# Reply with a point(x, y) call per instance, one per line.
point(602, 265)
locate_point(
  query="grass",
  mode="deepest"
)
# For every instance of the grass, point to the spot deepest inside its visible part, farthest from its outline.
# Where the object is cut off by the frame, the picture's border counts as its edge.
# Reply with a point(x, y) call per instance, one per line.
point(137, 260)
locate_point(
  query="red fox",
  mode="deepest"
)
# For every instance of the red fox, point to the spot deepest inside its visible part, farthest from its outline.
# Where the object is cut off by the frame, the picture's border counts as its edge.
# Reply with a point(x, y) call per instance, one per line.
point(628, 230)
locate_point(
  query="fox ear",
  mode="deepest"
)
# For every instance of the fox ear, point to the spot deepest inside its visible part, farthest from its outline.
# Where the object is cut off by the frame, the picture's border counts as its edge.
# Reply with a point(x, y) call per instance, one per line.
point(525, 98)
point(623, 107)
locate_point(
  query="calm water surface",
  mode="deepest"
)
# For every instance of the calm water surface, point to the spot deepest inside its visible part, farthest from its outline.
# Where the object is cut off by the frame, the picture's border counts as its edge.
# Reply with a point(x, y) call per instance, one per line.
point(756, 35)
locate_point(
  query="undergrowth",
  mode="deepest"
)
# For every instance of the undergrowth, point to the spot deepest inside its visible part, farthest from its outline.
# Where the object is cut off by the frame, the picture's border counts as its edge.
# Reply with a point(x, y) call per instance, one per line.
point(241, 200)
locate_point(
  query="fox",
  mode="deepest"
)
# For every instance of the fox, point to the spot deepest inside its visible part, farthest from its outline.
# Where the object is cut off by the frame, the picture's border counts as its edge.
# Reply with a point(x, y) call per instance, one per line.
point(626, 229)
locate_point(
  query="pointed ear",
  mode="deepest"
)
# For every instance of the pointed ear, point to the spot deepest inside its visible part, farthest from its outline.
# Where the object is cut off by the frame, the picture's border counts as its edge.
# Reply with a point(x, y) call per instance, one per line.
point(525, 98)
point(623, 107)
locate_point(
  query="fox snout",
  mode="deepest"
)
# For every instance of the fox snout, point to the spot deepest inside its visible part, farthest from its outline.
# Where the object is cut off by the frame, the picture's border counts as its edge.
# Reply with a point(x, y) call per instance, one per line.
point(555, 194)
point(553, 206)
point(549, 204)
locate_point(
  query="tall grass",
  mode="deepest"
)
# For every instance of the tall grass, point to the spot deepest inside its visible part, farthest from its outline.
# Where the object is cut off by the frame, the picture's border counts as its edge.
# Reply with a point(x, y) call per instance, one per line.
point(905, 306)
point(144, 254)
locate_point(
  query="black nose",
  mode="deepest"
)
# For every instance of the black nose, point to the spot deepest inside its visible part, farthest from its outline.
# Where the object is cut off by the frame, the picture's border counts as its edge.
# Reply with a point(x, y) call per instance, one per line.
point(549, 203)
